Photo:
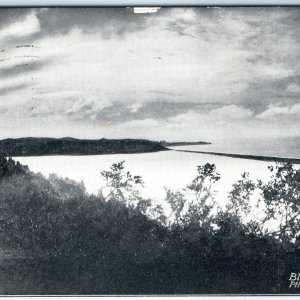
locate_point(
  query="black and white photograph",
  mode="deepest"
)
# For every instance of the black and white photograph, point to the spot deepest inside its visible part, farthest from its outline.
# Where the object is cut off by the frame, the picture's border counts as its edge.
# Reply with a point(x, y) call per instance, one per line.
point(150, 150)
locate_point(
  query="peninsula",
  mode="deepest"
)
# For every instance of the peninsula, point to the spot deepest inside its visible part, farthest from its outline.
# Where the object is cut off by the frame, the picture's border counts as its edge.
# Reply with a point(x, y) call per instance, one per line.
point(35, 146)
point(172, 144)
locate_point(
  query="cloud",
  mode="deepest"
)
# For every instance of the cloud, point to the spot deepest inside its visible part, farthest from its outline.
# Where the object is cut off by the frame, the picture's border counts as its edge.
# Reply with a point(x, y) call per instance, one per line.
point(87, 109)
point(293, 88)
point(134, 108)
point(226, 113)
point(141, 124)
point(274, 112)
point(22, 68)
point(25, 27)
point(12, 88)
point(184, 71)
point(231, 112)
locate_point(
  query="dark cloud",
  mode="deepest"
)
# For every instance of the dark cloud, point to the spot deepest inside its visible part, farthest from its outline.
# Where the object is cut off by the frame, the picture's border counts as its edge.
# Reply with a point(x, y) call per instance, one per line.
point(22, 69)
point(161, 109)
point(108, 21)
point(12, 15)
point(12, 89)
point(179, 28)
point(60, 21)
point(120, 112)
point(261, 93)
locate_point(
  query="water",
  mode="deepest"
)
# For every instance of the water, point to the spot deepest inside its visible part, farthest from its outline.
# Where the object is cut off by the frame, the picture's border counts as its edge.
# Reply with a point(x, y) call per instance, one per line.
point(168, 168)
point(285, 148)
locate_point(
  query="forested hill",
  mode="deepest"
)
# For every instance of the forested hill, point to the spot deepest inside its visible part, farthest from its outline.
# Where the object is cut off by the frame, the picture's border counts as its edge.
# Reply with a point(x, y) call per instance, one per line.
point(69, 146)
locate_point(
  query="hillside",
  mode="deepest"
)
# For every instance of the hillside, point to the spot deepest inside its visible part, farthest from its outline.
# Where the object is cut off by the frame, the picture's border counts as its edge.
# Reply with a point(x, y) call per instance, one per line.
point(56, 239)
point(69, 146)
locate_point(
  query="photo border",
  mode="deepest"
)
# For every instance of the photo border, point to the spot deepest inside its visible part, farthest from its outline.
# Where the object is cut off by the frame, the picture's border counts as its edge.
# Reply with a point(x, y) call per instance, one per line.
point(6, 4)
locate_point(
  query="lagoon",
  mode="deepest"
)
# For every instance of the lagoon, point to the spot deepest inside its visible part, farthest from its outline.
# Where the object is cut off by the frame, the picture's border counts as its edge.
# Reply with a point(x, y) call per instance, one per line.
point(172, 168)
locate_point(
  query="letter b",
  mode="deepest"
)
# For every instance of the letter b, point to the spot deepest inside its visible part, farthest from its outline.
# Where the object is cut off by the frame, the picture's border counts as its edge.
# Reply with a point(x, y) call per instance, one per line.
point(293, 276)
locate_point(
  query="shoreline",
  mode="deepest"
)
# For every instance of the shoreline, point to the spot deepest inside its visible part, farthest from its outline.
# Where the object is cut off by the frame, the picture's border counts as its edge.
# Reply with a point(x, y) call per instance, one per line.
point(93, 154)
point(246, 156)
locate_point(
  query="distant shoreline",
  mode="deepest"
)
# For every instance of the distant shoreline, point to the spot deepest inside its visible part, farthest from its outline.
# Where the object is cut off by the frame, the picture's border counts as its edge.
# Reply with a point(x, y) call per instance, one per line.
point(172, 144)
point(245, 156)
point(31, 146)
point(94, 154)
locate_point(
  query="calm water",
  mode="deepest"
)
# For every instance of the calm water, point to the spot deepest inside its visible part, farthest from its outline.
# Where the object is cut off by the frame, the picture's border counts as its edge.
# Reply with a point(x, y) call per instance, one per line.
point(169, 168)
point(288, 147)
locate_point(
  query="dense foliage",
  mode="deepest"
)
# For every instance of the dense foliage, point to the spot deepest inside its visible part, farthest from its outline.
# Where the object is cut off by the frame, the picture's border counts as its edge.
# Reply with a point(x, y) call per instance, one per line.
point(70, 146)
point(57, 239)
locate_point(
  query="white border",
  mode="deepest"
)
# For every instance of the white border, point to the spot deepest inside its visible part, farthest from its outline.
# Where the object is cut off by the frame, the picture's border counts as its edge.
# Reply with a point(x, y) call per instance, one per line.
point(39, 3)
point(43, 3)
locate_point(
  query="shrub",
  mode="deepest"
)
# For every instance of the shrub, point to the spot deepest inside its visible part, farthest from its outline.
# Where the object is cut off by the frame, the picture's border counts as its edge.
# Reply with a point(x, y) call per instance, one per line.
point(119, 243)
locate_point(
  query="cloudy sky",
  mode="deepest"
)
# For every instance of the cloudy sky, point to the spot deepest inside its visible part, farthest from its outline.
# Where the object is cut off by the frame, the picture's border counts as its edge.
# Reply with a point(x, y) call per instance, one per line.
point(179, 74)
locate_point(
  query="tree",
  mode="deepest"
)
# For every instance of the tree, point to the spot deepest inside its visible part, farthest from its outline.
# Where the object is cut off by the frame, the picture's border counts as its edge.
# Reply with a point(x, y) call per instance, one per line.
point(9, 167)
point(67, 188)
point(194, 205)
point(177, 202)
point(239, 196)
point(123, 186)
point(281, 196)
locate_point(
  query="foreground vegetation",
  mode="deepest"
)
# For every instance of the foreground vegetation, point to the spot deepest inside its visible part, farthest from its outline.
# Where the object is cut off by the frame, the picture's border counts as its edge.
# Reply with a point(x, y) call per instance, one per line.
point(57, 239)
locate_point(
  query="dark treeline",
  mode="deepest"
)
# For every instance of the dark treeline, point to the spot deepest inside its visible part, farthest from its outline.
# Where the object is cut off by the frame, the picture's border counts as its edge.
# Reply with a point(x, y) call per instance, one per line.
point(69, 146)
point(57, 239)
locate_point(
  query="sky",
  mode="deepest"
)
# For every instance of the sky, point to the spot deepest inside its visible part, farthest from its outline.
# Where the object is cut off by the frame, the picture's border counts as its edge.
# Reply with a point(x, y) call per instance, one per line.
point(210, 74)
